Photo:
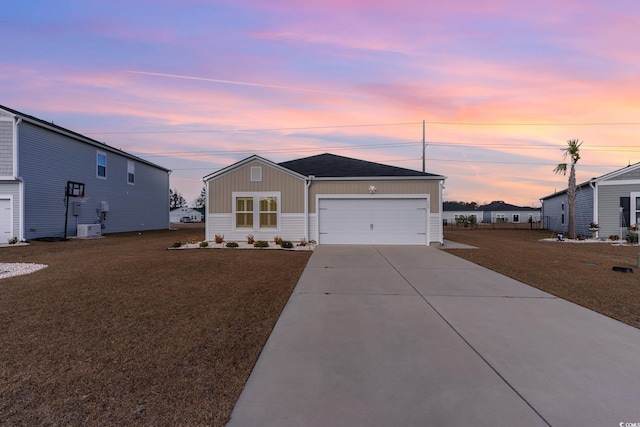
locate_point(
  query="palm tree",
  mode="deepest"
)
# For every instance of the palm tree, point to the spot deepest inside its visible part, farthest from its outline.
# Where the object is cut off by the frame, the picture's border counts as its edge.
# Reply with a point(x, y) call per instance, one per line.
point(573, 152)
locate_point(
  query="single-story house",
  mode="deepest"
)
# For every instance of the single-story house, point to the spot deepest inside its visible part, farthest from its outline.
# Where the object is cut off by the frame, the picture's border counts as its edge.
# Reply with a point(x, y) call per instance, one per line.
point(185, 214)
point(499, 211)
point(56, 183)
point(611, 200)
point(451, 211)
point(326, 198)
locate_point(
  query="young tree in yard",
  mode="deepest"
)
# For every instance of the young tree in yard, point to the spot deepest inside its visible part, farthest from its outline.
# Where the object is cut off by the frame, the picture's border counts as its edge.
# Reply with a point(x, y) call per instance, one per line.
point(175, 199)
point(573, 152)
point(201, 200)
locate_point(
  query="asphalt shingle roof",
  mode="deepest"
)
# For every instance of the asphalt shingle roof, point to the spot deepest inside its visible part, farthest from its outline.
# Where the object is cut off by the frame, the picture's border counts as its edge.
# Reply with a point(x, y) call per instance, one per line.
point(331, 165)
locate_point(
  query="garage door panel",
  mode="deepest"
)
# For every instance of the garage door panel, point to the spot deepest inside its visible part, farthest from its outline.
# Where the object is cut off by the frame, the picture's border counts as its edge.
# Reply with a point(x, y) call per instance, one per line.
point(372, 221)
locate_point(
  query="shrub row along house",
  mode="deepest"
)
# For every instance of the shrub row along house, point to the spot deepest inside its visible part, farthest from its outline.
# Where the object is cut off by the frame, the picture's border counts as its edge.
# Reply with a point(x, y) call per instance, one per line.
point(326, 198)
point(494, 212)
point(612, 201)
point(45, 167)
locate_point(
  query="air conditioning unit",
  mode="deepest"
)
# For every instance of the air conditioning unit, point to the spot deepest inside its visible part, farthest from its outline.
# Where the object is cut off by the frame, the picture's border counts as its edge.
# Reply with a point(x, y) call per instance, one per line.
point(89, 230)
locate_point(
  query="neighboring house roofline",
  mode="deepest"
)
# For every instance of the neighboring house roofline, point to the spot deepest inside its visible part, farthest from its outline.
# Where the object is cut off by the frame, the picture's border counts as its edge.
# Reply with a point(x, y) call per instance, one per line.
point(578, 187)
point(617, 173)
point(79, 137)
point(248, 160)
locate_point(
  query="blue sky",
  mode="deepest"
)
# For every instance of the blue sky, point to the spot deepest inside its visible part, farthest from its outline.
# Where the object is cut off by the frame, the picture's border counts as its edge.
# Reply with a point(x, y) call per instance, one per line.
point(197, 85)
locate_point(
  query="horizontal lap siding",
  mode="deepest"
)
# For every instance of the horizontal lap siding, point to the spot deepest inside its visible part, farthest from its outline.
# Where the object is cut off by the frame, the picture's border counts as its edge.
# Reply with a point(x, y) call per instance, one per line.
point(609, 207)
point(291, 227)
point(47, 160)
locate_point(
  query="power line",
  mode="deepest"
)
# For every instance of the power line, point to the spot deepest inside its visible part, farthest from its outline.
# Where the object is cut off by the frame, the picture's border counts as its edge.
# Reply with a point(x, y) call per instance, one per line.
point(438, 123)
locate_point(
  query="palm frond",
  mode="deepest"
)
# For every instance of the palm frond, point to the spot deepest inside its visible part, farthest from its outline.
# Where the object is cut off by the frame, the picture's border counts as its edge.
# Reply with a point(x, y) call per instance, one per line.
point(561, 168)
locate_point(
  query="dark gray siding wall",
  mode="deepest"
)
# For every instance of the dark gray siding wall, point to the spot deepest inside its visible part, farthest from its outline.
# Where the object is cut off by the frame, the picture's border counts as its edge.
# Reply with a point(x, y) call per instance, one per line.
point(6, 147)
point(609, 207)
point(552, 211)
point(47, 160)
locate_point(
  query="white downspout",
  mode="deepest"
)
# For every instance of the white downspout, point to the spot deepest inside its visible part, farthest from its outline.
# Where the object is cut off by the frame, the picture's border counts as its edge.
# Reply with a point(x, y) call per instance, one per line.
point(595, 201)
point(18, 178)
point(307, 183)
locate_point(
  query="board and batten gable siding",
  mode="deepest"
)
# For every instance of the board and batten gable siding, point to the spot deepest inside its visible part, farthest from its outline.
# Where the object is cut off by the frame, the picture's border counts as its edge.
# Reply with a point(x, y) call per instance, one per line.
point(431, 187)
point(6, 148)
point(609, 206)
point(47, 160)
point(291, 188)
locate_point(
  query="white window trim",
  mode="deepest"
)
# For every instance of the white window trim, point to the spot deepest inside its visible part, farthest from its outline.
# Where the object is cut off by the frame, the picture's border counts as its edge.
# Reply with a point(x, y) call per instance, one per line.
point(633, 211)
point(106, 164)
point(256, 209)
point(131, 169)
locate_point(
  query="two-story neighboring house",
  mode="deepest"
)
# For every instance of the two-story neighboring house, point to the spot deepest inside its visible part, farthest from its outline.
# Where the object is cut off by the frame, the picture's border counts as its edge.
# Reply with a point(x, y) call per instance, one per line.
point(40, 162)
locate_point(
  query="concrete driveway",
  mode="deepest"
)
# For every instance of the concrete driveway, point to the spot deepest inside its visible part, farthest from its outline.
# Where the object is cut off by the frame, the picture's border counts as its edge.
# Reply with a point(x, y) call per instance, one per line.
point(414, 336)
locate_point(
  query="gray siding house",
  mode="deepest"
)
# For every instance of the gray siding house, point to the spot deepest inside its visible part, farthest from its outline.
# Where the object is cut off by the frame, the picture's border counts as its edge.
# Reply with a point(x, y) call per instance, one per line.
point(37, 161)
point(499, 211)
point(612, 201)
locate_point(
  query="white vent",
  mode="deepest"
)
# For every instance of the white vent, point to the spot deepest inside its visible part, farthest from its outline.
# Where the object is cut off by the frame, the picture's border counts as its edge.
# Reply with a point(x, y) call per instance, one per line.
point(256, 173)
point(89, 230)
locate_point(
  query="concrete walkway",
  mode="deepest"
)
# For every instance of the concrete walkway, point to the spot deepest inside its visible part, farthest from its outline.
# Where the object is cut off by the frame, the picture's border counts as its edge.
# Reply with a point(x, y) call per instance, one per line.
point(414, 336)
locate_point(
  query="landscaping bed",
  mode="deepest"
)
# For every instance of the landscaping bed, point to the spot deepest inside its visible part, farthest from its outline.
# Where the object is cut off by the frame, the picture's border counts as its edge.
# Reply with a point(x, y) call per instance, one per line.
point(578, 272)
point(121, 331)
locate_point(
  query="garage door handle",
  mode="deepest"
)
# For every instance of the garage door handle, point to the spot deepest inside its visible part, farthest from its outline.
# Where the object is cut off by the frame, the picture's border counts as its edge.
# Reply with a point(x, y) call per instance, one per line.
point(370, 226)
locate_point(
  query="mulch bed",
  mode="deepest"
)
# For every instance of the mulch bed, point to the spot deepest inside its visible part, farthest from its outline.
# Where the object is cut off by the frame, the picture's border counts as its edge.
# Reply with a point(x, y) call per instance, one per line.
point(578, 272)
point(122, 331)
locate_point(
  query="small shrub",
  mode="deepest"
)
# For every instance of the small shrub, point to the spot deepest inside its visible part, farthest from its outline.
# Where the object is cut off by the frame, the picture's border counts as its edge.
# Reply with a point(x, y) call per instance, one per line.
point(261, 244)
point(232, 245)
point(176, 244)
point(286, 244)
point(632, 238)
point(277, 240)
point(219, 238)
point(193, 240)
point(250, 239)
point(614, 237)
point(13, 240)
point(303, 242)
point(204, 244)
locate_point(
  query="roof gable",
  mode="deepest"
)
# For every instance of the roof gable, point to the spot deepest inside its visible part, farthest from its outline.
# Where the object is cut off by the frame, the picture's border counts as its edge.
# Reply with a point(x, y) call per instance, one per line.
point(333, 166)
point(499, 205)
point(456, 207)
point(630, 172)
point(248, 160)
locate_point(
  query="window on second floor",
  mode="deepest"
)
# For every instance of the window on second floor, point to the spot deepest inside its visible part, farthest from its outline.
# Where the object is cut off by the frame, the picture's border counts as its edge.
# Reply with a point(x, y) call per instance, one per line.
point(131, 172)
point(102, 165)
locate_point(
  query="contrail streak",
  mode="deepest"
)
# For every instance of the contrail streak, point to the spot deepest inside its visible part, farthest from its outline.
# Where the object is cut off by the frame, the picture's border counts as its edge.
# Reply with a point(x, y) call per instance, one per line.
point(231, 82)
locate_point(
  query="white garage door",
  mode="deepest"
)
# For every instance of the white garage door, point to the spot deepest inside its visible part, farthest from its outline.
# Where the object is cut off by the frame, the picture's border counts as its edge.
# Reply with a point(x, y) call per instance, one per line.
point(5, 220)
point(372, 221)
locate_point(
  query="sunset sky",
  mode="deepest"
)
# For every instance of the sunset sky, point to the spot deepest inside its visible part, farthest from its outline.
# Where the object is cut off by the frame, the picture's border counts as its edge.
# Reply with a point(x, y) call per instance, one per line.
point(196, 85)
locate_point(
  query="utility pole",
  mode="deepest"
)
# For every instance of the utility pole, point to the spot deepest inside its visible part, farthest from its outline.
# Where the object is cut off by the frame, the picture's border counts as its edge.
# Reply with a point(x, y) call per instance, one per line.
point(424, 145)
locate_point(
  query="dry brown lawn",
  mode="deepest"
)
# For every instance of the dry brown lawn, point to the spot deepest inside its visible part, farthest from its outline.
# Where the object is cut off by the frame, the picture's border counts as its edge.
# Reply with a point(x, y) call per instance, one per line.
point(578, 272)
point(122, 331)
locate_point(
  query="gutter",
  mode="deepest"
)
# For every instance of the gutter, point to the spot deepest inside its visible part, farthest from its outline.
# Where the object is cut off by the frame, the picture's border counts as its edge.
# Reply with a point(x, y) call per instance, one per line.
point(307, 182)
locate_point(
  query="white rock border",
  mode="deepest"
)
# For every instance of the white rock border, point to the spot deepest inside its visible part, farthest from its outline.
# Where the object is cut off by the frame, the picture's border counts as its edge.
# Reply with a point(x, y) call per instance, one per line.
point(13, 269)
